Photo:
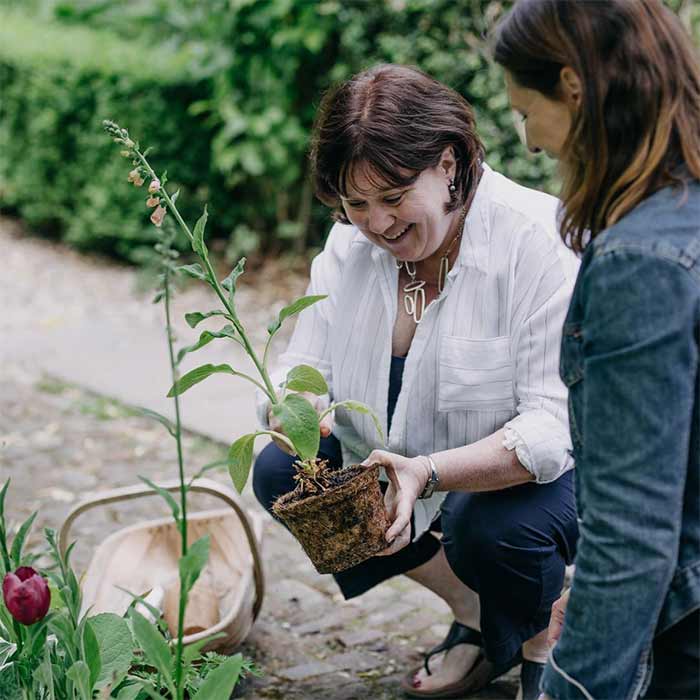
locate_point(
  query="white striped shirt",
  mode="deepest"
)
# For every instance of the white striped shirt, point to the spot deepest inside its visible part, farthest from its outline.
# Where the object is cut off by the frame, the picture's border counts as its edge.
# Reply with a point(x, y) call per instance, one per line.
point(484, 356)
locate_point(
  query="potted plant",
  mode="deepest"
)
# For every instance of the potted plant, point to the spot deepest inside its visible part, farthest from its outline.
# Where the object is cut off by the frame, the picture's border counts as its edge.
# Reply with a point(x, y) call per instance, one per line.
point(338, 517)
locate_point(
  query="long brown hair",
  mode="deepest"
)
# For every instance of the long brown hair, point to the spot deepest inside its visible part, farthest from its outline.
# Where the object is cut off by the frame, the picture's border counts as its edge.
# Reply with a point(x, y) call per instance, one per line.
point(397, 121)
point(638, 126)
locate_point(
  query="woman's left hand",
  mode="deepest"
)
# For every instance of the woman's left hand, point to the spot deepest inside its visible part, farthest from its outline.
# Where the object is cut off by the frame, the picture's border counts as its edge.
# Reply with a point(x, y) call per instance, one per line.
point(407, 479)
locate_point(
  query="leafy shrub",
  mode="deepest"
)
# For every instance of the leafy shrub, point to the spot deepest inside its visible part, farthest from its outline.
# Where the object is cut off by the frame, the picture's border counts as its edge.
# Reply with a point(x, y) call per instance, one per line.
point(56, 169)
point(238, 85)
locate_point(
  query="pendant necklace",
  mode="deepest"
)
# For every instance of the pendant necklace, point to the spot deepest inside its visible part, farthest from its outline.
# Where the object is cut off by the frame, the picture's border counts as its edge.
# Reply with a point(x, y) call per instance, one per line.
point(414, 290)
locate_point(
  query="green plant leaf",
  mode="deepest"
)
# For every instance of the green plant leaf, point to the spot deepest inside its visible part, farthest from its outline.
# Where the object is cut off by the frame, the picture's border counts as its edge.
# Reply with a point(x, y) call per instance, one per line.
point(293, 308)
point(197, 317)
point(306, 378)
point(240, 460)
point(147, 688)
point(360, 408)
point(3, 493)
point(228, 331)
point(192, 651)
point(79, 673)
point(166, 496)
point(300, 423)
point(198, 244)
point(36, 640)
point(154, 647)
point(91, 651)
point(197, 375)
point(229, 284)
point(44, 674)
point(217, 464)
point(165, 422)
point(195, 270)
point(116, 648)
point(192, 563)
point(20, 537)
point(129, 692)
point(219, 683)
point(7, 649)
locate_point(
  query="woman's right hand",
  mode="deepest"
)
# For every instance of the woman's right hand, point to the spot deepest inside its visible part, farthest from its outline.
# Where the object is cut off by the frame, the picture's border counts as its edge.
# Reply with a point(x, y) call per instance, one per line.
point(326, 425)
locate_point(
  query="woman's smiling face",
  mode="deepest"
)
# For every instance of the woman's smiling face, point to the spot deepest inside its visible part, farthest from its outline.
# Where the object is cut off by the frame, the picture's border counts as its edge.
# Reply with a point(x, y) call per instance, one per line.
point(410, 222)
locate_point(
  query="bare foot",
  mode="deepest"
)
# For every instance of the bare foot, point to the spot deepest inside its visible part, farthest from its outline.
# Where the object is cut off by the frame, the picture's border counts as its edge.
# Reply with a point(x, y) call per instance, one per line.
point(447, 668)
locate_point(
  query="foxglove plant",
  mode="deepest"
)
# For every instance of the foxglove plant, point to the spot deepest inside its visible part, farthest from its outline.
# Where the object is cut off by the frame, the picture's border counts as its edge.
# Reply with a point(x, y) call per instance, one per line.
point(298, 418)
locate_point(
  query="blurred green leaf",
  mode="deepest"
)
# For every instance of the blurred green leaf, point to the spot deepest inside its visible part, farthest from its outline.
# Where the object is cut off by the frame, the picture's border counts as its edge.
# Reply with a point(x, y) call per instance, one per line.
point(306, 378)
point(300, 423)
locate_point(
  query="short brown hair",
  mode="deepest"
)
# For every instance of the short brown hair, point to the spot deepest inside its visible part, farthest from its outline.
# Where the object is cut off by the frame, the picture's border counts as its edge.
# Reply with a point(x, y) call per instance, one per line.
point(638, 126)
point(398, 121)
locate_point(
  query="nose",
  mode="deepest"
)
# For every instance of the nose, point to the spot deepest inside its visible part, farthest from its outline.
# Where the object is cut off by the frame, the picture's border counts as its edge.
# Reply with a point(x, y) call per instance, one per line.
point(379, 219)
point(534, 149)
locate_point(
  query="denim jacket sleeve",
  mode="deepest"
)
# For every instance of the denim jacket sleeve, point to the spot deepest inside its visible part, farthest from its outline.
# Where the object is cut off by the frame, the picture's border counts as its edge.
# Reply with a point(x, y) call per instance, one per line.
point(639, 359)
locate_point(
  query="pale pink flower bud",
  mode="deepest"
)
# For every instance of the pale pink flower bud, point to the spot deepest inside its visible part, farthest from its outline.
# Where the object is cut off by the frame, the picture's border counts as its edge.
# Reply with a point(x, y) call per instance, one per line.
point(158, 215)
point(135, 177)
point(154, 186)
point(153, 201)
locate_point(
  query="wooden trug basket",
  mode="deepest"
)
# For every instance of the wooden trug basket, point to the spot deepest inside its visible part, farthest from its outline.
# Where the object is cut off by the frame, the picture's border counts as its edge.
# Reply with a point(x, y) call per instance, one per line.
point(145, 555)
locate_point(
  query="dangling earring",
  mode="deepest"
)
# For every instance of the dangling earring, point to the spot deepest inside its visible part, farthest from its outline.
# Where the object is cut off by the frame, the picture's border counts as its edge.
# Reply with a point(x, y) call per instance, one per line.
point(453, 190)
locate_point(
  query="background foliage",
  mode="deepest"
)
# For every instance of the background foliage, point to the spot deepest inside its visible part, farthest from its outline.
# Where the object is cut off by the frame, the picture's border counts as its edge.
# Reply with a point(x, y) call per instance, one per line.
point(227, 89)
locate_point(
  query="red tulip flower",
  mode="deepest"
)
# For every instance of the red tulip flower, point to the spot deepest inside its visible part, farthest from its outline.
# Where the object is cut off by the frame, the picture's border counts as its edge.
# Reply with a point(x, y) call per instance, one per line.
point(26, 595)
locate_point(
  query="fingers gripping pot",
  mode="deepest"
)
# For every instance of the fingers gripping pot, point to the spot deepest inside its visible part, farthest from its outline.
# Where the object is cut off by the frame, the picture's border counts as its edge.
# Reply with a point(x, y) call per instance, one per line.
point(341, 526)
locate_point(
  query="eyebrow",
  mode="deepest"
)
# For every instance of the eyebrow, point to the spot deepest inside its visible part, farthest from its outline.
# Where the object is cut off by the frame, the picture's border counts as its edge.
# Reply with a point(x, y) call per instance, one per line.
point(395, 190)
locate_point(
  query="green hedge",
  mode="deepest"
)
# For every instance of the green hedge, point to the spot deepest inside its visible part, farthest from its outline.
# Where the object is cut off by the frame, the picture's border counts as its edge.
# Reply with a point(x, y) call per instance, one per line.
point(58, 169)
point(229, 104)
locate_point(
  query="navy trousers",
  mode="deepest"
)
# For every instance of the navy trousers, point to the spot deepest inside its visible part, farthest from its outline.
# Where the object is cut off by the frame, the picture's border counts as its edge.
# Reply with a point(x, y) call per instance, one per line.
point(509, 546)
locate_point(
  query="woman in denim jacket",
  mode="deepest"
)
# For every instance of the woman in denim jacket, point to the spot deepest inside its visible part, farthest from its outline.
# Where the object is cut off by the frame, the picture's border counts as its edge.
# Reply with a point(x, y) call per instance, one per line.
point(612, 89)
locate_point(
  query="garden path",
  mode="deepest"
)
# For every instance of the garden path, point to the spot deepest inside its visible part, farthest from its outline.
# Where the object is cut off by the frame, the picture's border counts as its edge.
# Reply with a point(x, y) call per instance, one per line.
point(79, 344)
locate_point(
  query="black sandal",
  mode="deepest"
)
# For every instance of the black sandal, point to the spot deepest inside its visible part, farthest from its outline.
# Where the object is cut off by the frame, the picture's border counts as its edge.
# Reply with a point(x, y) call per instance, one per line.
point(457, 634)
point(481, 673)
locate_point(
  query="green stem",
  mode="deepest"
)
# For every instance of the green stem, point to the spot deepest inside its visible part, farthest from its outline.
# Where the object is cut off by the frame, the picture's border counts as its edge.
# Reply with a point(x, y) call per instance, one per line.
point(19, 633)
point(183, 490)
point(216, 286)
point(178, 423)
point(179, 681)
point(220, 292)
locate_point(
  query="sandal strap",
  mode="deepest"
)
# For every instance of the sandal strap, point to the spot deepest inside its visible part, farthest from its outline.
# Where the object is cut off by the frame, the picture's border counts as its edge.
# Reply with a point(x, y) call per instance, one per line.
point(458, 634)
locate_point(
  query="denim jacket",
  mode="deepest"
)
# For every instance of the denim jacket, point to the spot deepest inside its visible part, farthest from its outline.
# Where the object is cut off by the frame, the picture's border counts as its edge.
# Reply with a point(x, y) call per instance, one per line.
point(630, 360)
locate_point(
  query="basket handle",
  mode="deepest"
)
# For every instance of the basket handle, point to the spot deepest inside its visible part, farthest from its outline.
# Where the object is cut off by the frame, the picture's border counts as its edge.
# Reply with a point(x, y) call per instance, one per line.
point(208, 486)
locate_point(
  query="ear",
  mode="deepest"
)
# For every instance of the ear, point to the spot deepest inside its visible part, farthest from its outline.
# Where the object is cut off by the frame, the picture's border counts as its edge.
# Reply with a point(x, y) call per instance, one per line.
point(570, 86)
point(448, 162)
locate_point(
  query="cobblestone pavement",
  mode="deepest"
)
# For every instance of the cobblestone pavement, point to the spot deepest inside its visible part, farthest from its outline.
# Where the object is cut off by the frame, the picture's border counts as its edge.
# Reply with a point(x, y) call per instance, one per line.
point(59, 442)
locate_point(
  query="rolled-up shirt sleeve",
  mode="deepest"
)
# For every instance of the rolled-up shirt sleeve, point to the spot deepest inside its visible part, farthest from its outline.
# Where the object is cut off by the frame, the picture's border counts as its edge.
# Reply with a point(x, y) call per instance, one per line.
point(539, 433)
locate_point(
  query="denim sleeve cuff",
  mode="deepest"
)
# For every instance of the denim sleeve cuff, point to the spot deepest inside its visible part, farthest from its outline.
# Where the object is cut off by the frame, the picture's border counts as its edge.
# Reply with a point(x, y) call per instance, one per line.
point(559, 685)
point(542, 444)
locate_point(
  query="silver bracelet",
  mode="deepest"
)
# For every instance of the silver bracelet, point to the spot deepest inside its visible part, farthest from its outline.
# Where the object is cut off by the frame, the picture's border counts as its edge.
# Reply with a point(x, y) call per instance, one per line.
point(433, 480)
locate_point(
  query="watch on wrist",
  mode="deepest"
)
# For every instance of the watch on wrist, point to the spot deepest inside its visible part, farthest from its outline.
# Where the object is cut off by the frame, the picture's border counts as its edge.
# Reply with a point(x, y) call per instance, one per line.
point(433, 480)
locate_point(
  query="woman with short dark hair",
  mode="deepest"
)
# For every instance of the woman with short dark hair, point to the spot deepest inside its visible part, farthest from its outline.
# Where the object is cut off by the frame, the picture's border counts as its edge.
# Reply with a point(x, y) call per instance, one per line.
point(446, 294)
point(612, 89)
